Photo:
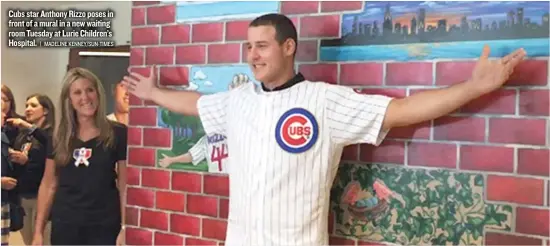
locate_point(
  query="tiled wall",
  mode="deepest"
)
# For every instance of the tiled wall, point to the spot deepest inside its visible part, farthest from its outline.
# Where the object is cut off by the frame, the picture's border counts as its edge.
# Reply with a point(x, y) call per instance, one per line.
point(479, 176)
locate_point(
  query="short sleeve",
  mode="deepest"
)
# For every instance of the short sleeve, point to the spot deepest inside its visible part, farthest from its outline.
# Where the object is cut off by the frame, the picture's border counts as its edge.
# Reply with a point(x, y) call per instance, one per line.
point(50, 148)
point(213, 112)
point(121, 140)
point(198, 151)
point(355, 118)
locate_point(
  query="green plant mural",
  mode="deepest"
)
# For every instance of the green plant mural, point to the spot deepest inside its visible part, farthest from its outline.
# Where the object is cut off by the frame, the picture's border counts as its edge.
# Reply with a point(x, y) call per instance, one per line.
point(413, 206)
point(210, 152)
point(186, 131)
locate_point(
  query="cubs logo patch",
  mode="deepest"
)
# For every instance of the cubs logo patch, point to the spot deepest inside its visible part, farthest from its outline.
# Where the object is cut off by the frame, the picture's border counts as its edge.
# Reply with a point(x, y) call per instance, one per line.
point(297, 130)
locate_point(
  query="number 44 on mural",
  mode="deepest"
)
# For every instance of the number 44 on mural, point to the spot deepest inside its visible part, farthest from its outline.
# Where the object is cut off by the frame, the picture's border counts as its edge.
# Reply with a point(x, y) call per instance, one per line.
point(211, 149)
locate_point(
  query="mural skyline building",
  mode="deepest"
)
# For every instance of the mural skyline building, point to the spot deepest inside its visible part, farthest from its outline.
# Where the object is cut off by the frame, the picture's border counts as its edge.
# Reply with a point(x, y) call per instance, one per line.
point(403, 31)
point(415, 29)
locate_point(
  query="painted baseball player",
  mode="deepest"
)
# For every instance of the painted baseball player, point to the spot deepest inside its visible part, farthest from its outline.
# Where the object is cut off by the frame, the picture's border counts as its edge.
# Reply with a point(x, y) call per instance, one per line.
point(213, 148)
point(287, 134)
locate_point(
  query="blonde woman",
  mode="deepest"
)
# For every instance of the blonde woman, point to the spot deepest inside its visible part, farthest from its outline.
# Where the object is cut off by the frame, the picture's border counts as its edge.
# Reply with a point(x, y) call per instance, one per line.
point(81, 188)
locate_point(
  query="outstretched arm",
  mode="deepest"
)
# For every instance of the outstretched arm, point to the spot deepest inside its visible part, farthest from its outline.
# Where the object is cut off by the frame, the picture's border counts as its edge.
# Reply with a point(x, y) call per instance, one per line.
point(488, 75)
point(212, 109)
point(40, 134)
point(182, 102)
point(357, 118)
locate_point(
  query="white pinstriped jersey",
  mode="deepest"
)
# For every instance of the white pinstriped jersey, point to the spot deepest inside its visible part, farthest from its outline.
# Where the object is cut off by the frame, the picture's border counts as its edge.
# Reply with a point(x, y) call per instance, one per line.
point(285, 146)
point(213, 148)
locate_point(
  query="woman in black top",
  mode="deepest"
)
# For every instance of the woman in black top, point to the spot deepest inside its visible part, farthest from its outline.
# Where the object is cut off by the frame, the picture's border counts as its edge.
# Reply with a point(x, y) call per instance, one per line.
point(81, 187)
point(8, 108)
point(32, 141)
point(8, 183)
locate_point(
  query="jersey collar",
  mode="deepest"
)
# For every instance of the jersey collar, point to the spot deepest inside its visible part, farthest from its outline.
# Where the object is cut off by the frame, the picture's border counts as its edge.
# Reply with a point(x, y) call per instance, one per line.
point(295, 80)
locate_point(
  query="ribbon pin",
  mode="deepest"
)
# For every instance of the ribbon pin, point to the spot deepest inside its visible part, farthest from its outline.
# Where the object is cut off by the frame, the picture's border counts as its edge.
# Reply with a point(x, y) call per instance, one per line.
point(81, 156)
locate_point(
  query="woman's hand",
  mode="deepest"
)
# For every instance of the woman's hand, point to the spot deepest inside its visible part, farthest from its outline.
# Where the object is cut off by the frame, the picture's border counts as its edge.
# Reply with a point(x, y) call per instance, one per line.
point(19, 123)
point(121, 239)
point(18, 157)
point(38, 239)
point(8, 183)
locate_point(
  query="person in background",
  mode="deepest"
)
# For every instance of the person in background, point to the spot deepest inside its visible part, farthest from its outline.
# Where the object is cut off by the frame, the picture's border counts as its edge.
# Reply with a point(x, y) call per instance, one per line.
point(81, 187)
point(122, 104)
point(8, 108)
point(8, 182)
point(35, 133)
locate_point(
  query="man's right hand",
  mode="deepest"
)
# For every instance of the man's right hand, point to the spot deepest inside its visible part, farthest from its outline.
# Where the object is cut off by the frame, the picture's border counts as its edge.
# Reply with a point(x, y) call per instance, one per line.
point(177, 101)
point(8, 183)
point(141, 86)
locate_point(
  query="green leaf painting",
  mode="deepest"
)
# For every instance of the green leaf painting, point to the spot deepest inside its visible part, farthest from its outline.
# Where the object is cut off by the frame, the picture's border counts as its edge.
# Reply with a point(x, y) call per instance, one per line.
point(186, 131)
point(427, 207)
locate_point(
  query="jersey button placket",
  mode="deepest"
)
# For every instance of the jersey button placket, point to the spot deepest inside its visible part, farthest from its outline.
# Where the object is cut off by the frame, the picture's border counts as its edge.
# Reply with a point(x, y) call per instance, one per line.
point(261, 166)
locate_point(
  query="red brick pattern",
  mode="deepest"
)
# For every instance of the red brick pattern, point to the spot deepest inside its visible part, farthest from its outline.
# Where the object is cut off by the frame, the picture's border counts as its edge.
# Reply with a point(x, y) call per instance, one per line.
point(236, 30)
point(415, 73)
point(515, 189)
point(503, 135)
point(354, 74)
point(175, 34)
point(319, 26)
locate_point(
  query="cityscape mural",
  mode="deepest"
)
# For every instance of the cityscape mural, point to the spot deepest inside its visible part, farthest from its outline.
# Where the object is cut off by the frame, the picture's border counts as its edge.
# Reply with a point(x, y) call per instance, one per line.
point(431, 30)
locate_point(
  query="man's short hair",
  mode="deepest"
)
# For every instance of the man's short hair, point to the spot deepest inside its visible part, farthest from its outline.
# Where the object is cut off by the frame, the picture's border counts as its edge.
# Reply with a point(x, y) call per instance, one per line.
point(284, 27)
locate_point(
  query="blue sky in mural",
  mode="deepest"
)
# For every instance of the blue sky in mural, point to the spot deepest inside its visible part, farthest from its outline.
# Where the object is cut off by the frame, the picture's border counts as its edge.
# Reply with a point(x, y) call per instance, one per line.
point(212, 10)
point(212, 79)
point(451, 30)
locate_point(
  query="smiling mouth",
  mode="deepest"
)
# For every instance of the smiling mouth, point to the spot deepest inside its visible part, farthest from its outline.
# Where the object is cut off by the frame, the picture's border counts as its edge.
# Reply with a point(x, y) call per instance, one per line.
point(88, 106)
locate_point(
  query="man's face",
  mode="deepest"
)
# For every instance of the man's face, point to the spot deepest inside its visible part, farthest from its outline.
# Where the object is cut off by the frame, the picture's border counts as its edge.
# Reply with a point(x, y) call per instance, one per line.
point(122, 99)
point(266, 56)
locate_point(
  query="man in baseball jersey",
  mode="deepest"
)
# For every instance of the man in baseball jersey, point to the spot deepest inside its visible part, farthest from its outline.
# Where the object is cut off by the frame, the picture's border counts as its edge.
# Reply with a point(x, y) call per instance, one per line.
point(213, 147)
point(287, 135)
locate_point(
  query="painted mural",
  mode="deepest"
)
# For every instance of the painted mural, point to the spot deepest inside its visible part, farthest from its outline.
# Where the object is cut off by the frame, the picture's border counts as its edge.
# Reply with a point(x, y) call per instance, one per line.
point(191, 148)
point(378, 203)
point(414, 206)
point(433, 30)
point(197, 11)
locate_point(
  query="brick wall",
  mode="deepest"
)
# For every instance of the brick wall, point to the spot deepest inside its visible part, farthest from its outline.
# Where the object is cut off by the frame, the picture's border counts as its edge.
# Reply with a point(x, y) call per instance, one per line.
point(503, 136)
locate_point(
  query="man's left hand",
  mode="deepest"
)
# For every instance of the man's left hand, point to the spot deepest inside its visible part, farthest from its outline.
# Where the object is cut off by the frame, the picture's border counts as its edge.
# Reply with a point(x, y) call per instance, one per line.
point(489, 75)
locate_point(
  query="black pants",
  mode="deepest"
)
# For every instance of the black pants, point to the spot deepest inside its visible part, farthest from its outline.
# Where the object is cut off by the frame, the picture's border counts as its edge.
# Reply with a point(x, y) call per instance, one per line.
point(69, 234)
